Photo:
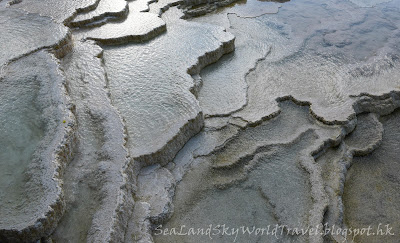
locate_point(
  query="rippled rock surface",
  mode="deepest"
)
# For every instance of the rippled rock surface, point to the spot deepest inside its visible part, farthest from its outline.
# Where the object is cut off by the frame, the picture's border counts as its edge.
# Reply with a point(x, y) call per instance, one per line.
point(268, 163)
point(151, 84)
point(60, 11)
point(96, 179)
point(371, 190)
point(104, 9)
point(19, 34)
point(124, 121)
point(36, 140)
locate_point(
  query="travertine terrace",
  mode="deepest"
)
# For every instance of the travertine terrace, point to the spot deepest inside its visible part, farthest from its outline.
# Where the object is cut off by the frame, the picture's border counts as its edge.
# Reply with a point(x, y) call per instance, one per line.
point(122, 119)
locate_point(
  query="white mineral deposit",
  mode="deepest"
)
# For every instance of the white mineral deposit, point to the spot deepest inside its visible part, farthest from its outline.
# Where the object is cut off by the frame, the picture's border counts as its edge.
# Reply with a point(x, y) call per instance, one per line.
point(195, 121)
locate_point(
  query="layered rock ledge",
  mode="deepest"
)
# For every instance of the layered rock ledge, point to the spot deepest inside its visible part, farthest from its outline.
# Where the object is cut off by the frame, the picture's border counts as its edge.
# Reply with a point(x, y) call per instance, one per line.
point(37, 142)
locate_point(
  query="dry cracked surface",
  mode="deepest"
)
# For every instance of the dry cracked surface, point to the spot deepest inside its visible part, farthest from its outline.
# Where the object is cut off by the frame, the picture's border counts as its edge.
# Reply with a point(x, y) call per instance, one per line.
point(136, 121)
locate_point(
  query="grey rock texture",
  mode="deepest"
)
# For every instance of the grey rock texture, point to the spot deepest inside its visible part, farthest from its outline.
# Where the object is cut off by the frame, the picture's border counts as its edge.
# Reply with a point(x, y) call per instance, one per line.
point(124, 118)
point(37, 143)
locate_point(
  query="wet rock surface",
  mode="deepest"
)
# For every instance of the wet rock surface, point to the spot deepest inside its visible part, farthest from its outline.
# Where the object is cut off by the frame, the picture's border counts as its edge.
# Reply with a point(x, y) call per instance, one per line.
point(96, 180)
point(37, 139)
point(152, 88)
point(105, 9)
point(19, 34)
point(371, 189)
point(122, 119)
point(60, 11)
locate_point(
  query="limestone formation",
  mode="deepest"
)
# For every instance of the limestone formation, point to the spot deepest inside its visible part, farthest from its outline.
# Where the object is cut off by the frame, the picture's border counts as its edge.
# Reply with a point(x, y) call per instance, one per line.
point(124, 121)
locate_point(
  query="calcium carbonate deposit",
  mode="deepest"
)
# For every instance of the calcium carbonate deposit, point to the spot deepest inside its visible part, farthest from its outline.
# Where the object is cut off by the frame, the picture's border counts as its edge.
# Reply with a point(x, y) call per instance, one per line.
point(200, 121)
